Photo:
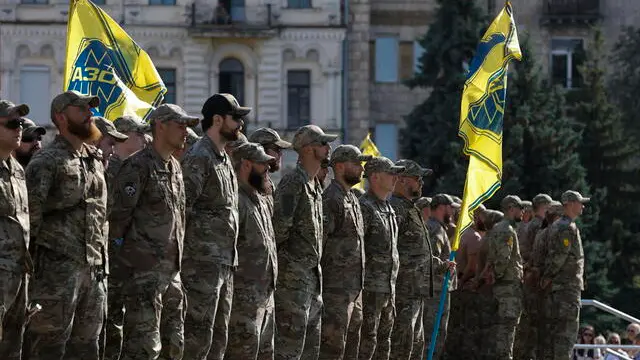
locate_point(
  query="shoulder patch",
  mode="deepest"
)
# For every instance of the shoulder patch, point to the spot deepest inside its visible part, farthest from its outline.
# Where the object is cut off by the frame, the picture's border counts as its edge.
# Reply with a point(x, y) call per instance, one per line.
point(565, 242)
point(130, 189)
point(510, 241)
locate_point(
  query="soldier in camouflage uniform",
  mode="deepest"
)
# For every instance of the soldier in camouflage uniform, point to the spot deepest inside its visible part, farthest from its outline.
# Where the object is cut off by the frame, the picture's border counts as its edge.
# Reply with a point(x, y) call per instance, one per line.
point(417, 264)
point(135, 129)
point(441, 211)
point(69, 229)
point(527, 334)
point(110, 137)
point(147, 229)
point(192, 138)
point(503, 271)
point(30, 143)
point(382, 259)
point(15, 261)
point(424, 205)
point(297, 221)
point(252, 323)
point(343, 252)
point(562, 274)
point(273, 145)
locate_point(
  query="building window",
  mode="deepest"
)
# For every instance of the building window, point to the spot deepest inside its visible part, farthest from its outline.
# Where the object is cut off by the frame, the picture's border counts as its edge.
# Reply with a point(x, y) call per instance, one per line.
point(168, 77)
point(386, 60)
point(418, 51)
point(567, 55)
point(35, 85)
point(38, 2)
point(299, 4)
point(232, 78)
point(298, 98)
point(386, 139)
point(99, 2)
point(162, 2)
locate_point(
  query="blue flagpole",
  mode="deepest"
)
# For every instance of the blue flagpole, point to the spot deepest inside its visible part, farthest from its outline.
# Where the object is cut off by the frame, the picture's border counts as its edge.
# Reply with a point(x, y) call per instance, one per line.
point(443, 297)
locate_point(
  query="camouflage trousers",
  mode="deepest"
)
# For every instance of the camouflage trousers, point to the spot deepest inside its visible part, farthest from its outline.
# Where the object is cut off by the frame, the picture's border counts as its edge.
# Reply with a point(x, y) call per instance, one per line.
point(154, 317)
point(429, 321)
point(508, 297)
point(13, 311)
point(526, 341)
point(379, 313)
point(73, 297)
point(464, 326)
point(252, 324)
point(561, 321)
point(353, 333)
point(298, 324)
point(115, 320)
point(339, 307)
point(210, 292)
point(407, 337)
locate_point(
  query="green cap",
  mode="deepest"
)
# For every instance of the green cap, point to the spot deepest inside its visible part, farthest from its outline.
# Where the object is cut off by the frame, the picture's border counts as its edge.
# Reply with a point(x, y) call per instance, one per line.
point(311, 134)
point(347, 153)
point(252, 152)
point(510, 201)
point(542, 199)
point(172, 112)
point(266, 136)
point(443, 199)
point(129, 123)
point(572, 195)
point(412, 168)
point(381, 164)
point(73, 98)
point(107, 128)
point(7, 108)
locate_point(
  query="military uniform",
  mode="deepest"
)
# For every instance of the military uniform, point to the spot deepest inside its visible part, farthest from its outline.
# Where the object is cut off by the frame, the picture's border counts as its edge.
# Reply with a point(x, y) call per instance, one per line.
point(15, 260)
point(252, 322)
point(343, 253)
point(68, 209)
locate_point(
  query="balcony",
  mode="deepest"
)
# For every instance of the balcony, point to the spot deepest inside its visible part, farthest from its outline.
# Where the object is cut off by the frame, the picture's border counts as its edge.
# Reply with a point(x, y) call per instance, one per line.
point(571, 11)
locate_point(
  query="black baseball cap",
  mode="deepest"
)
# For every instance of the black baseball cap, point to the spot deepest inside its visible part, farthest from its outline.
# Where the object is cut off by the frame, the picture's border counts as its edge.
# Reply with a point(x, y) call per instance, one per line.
point(223, 104)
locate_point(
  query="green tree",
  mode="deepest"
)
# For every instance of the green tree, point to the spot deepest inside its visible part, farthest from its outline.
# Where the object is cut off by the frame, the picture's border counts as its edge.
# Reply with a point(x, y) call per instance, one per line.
point(625, 80)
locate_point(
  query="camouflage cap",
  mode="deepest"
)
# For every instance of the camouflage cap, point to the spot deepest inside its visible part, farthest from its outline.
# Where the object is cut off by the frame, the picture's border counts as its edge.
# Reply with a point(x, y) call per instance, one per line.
point(266, 136)
point(7, 108)
point(423, 202)
point(527, 205)
point(242, 139)
point(192, 137)
point(71, 97)
point(311, 134)
point(347, 153)
point(510, 201)
point(381, 164)
point(493, 217)
point(443, 199)
point(542, 199)
point(172, 112)
point(572, 195)
point(129, 123)
point(31, 130)
point(556, 208)
point(456, 199)
point(107, 128)
point(252, 152)
point(412, 168)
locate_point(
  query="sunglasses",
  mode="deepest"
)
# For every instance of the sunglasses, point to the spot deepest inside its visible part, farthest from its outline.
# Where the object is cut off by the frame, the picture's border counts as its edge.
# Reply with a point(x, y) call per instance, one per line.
point(13, 124)
point(29, 139)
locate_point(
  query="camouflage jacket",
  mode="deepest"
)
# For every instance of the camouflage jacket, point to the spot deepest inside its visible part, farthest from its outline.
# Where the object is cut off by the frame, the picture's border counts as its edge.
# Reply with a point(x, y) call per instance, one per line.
point(257, 256)
point(564, 261)
point(212, 204)
point(380, 244)
point(441, 249)
point(297, 221)
point(14, 218)
point(113, 167)
point(68, 202)
point(343, 248)
point(528, 237)
point(504, 252)
point(539, 251)
point(148, 212)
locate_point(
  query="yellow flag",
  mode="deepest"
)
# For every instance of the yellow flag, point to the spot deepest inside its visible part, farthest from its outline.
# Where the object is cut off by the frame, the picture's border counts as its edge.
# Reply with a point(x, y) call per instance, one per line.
point(103, 60)
point(368, 148)
point(481, 115)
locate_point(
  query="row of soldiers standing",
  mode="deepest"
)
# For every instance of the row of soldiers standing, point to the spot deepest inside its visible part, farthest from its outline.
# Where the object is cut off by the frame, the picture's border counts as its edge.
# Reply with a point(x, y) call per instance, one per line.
point(205, 259)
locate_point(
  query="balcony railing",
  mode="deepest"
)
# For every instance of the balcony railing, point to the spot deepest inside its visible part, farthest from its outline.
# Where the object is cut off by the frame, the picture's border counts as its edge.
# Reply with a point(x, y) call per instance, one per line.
point(241, 17)
point(571, 10)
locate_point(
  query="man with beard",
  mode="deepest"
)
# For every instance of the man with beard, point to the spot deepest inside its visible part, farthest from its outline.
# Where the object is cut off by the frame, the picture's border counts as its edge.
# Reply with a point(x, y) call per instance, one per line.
point(274, 146)
point(210, 254)
point(15, 262)
point(297, 221)
point(252, 323)
point(417, 264)
point(147, 225)
point(441, 212)
point(503, 270)
point(192, 138)
point(68, 210)
point(31, 141)
point(382, 262)
point(110, 137)
point(343, 252)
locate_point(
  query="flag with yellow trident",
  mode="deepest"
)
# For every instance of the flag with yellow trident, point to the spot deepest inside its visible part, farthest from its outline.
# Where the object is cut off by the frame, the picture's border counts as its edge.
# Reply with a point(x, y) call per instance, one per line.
point(367, 148)
point(482, 111)
point(102, 60)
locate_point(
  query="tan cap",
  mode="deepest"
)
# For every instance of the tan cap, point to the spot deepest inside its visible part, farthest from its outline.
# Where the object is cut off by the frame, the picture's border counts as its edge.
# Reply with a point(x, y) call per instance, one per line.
point(572, 195)
point(129, 123)
point(311, 134)
point(7, 108)
point(443, 199)
point(107, 128)
point(252, 152)
point(71, 97)
point(412, 168)
point(542, 199)
point(266, 136)
point(172, 112)
point(347, 153)
point(381, 164)
point(556, 208)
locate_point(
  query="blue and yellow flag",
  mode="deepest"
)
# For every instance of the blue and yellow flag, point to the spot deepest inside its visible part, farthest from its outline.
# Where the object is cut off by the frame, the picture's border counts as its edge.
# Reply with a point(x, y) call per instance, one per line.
point(103, 60)
point(482, 111)
point(368, 147)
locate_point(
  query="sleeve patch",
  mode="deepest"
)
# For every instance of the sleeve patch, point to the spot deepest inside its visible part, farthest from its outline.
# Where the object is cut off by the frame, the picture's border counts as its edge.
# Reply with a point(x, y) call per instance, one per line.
point(566, 242)
point(130, 189)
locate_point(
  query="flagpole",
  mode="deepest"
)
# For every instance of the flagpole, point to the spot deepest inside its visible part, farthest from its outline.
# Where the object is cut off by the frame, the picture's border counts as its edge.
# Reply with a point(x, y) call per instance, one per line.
point(443, 298)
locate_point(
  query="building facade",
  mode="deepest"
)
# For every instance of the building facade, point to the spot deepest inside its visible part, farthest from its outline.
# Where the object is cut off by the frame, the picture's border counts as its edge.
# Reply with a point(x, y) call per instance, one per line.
point(281, 57)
